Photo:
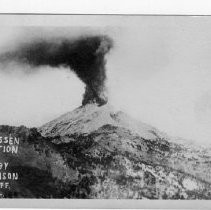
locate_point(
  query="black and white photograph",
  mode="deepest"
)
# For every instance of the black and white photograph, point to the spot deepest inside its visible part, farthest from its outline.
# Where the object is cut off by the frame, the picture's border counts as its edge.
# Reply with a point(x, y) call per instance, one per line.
point(105, 107)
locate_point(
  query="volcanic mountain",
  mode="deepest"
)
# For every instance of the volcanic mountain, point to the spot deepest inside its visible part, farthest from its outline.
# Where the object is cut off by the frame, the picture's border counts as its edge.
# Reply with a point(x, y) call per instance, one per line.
point(98, 152)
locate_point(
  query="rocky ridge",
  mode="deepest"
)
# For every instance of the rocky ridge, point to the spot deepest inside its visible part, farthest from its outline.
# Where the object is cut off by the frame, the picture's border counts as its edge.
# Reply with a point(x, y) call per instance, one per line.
point(98, 152)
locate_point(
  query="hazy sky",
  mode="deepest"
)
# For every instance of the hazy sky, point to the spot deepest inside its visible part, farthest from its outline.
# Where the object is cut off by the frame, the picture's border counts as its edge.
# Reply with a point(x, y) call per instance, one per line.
point(159, 71)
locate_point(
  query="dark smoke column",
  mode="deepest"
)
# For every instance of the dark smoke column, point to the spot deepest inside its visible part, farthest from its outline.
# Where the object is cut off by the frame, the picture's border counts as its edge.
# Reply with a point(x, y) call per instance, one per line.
point(95, 85)
point(85, 56)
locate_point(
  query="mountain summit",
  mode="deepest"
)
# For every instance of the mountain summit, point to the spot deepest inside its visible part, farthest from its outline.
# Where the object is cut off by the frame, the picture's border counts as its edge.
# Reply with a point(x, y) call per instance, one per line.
point(98, 152)
point(87, 119)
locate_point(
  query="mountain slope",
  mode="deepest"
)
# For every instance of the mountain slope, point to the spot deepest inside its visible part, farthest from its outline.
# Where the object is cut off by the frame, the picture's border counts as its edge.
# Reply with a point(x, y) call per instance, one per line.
point(97, 152)
point(89, 118)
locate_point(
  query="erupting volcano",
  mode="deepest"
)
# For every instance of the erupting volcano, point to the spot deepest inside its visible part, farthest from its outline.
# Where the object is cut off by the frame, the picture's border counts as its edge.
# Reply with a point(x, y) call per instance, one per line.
point(95, 151)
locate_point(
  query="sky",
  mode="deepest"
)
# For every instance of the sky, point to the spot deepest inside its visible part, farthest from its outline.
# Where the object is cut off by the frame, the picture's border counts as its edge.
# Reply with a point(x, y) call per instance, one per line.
point(158, 71)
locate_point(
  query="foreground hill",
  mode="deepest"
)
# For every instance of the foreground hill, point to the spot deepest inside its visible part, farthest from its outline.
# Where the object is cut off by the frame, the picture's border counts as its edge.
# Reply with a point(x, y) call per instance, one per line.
point(97, 152)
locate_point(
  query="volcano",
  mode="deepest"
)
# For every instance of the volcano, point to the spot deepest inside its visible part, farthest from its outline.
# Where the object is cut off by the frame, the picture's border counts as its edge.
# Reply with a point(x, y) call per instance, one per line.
point(99, 152)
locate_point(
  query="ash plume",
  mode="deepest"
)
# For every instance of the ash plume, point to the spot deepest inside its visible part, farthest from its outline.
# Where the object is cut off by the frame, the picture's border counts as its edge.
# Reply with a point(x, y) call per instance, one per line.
point(85, 56)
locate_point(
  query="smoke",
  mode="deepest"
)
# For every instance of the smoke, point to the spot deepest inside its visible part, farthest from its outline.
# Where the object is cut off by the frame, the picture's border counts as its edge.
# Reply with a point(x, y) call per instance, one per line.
point(85, 56)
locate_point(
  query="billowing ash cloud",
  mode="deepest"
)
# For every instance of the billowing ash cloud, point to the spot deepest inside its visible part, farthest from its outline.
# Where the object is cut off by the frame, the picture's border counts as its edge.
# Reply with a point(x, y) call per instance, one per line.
point(85, 56)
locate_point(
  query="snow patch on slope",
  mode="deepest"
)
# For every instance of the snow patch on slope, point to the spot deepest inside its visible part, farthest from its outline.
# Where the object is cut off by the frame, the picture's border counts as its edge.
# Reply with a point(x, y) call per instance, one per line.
point(89, 118)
